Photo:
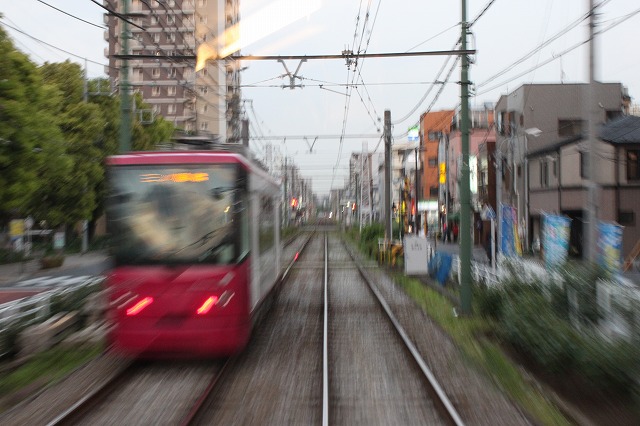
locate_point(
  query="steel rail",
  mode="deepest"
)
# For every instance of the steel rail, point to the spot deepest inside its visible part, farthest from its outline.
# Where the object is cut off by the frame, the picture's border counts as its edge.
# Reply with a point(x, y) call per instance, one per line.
point(325, 339)
point(442, 397)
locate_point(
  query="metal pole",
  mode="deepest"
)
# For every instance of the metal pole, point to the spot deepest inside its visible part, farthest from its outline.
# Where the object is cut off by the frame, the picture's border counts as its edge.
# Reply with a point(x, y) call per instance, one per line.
point(416, 225)
point(465, 190)
point(591, 215)
point(387, 175)
point(125, 99)
point(498, 236)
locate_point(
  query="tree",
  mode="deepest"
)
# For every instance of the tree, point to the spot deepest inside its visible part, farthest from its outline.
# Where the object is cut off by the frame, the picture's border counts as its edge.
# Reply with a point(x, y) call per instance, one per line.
point(27, 129)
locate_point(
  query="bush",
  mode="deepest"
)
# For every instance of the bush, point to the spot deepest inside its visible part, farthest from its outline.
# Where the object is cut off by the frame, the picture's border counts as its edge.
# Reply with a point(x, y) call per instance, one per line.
point(530, 325)
point(580, 280)
point(609, 366)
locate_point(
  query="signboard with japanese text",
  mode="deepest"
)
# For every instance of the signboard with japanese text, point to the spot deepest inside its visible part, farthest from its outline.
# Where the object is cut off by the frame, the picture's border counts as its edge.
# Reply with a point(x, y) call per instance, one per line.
point(416, 255)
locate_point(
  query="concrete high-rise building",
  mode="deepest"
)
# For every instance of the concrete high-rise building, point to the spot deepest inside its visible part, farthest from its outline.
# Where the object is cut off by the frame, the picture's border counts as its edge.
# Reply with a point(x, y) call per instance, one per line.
point(165, 32)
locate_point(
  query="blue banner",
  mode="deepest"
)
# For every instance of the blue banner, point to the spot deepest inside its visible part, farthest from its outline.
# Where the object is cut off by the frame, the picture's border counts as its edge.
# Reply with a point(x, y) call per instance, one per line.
point(510, 242)
point(555, 239)
point(610, 246)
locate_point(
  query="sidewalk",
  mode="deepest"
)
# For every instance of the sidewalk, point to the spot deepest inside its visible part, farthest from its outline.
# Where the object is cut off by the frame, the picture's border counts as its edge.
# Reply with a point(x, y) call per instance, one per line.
point(13, 272)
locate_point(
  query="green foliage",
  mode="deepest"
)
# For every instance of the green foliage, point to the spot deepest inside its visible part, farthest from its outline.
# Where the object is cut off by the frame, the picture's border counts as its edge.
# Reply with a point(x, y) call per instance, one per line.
point(581, 279)
point(47, 367)
point(609, 366)
point(54, 139)
point(531, 326)
point(539, 320)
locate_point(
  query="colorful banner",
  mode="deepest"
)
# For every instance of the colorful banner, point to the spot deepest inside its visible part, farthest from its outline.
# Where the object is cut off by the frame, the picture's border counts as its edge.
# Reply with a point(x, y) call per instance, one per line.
point(610, 246)
point(510, 243)
point(555, 239)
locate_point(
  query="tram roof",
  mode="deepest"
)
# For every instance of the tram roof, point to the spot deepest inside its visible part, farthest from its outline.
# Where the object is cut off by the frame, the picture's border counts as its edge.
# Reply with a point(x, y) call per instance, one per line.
point(188, 157)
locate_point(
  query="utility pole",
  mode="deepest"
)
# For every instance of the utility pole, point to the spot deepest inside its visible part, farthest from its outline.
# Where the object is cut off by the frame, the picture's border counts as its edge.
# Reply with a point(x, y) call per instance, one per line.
point(416, 223)
point(591, 214)
point(125, 99)
point(387, 175)
point(465, 192)
point(85, 222)
point(287, 214)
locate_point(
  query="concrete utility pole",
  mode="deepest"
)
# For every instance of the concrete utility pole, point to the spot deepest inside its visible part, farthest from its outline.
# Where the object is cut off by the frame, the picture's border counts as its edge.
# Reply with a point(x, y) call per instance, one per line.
point(125, 98)
point(591, 214)
point(388, 228)
point(465, 191)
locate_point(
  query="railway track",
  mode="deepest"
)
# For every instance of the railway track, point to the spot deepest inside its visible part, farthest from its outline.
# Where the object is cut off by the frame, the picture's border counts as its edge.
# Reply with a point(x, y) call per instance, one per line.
point(159, 392)
point(323, 356)
point(330, 351)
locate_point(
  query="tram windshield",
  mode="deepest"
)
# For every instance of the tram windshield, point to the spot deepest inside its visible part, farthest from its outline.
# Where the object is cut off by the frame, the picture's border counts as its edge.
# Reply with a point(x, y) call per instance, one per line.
point(183, 214)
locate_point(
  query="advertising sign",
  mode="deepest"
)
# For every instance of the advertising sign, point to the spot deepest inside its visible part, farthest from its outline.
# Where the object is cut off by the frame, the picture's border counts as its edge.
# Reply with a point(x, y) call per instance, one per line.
point(510, 244)
point(58, 240)
point(16, 229)
point(610, 246)
point(413, 134)
point(555, 239)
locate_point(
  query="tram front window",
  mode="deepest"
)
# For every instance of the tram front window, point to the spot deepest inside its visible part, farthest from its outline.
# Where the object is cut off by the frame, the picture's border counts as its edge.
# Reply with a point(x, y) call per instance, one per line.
point(175, 214)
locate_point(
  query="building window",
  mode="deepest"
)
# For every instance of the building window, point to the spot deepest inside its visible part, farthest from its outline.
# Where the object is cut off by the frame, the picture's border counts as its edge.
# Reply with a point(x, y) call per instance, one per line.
point(544, 174)
point(155, 73)
point(433, 162)
point(633, 164)
point(434, 136)
point(204, 125)
point(171, 73)
point(156, 37)
point(155, 91)
point(433, 191)
point(171, 109)
point(171, 37)
point(584, 166)
point(171, 19)
point(154, 20)
point(627, 218)
point(171, 90)
point(570, 127)
point(204, 90)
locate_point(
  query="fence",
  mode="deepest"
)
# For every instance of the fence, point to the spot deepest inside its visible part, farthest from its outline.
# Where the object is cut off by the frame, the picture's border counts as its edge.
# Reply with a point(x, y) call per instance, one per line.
point(618, 299)
point(19, 314)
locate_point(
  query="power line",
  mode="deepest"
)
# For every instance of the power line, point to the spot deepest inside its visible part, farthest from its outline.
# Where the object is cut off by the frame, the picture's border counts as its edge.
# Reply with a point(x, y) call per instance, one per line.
point(114, 13)
point(50, 45)
point(73, 16)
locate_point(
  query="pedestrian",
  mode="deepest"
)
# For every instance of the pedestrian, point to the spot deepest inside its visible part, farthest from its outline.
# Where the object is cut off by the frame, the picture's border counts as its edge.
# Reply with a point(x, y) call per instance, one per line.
point(455, 232)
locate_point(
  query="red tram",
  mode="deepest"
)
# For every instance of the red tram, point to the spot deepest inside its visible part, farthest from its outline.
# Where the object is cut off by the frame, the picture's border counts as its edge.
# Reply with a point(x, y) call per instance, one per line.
point(196, 248)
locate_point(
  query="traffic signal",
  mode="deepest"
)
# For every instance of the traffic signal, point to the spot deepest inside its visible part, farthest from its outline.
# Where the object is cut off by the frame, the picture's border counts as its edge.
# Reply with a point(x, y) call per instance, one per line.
point(294, 203)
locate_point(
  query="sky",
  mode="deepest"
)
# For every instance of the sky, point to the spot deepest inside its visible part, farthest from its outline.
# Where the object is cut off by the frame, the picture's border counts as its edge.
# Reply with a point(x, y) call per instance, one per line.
point(516, 41)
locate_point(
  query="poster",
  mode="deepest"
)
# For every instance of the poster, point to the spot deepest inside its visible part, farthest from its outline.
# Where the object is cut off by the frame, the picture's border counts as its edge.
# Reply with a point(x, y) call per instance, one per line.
point(555, 239)
point(610, 246)
point(510, 241)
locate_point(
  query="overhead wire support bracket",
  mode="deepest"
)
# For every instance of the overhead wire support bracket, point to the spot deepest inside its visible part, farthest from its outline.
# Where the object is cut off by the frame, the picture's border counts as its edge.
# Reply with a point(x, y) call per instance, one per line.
point(292, 77)
point(344, 56)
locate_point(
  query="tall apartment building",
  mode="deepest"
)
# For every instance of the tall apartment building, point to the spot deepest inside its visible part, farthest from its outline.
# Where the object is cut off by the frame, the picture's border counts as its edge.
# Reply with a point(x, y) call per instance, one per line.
point(165, 32)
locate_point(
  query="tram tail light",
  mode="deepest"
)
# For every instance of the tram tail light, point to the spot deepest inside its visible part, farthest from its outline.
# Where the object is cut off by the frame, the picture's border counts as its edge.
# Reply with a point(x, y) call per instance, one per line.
point(207, 305)
point(138, 307)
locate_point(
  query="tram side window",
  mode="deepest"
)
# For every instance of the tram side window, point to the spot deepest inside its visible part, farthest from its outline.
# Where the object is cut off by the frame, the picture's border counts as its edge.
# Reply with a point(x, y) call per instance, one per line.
point(266, 224)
